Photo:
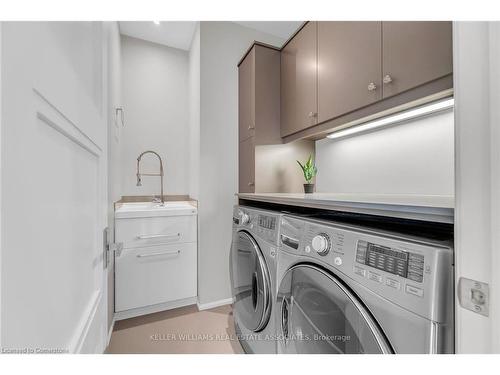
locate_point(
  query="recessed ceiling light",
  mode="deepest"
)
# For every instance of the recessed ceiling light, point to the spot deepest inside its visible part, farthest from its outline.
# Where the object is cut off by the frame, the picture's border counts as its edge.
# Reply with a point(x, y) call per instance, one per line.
point(156, 22)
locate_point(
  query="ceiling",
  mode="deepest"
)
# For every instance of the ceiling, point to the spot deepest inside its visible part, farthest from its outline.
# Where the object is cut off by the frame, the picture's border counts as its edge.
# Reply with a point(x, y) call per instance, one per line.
point(282, 29)
point(178, 34)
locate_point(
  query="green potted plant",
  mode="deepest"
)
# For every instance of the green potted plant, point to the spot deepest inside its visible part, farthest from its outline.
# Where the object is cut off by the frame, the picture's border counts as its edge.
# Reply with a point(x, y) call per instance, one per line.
point(309, 170)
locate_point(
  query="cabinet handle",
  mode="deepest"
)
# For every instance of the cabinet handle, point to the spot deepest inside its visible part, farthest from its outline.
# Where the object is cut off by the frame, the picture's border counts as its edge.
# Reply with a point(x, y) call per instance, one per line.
point(150, 236)
point(176, 252)
point(387, 79)
point(372, 86)
point(251, 184)
point(312, 114)
point(250, 127)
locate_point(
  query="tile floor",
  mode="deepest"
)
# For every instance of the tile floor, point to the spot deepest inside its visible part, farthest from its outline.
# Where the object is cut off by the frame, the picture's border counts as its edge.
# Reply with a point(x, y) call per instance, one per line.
point(179, 331)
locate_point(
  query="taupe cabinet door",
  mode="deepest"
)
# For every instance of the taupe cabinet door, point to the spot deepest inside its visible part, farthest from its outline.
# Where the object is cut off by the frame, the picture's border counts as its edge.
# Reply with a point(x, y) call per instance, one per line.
point(247, 166)
point(415, 53)
point(299, 81)
point(267, 96)
point(349, 66)
point(246, 96)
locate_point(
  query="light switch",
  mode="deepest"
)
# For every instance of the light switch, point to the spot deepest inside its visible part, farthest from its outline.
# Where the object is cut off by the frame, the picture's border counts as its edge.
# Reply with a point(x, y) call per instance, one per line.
point(474, 295)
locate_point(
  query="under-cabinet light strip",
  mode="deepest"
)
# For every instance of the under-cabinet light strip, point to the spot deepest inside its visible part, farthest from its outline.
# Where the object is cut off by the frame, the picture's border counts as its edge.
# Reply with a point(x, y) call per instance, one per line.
point(439, 106)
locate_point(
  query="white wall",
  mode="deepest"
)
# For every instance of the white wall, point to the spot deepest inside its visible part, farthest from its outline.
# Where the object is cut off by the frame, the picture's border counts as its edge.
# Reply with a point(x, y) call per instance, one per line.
point(155, 98)
point(412, 158)
point(222, 46)
point(194, 114)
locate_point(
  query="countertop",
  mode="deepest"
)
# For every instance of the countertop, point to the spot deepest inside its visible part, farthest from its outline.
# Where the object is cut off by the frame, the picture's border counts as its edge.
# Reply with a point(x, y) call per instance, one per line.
point(149, 198)
point(434, 208)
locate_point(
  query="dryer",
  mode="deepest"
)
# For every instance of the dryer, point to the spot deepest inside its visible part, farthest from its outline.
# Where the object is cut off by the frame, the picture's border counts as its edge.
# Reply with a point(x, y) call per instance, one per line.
point(253, 277)
point(349, 289)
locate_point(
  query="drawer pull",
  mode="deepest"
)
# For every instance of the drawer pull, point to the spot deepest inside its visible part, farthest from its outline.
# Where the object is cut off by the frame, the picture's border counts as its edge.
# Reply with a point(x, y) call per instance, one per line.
point(151, 236)
point(158, 254)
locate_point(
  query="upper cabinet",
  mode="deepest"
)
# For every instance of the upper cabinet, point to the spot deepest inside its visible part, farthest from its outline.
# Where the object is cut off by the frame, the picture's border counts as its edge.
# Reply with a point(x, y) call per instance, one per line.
point(259, 95)
point(414, 53)
point(334, 73)
point(258, 108)
point(349, 66)
point(246, 96)
point(299, 105)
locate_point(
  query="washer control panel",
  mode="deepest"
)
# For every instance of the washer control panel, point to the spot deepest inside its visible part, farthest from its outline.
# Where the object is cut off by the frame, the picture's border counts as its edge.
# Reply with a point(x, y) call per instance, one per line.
point(411, 272)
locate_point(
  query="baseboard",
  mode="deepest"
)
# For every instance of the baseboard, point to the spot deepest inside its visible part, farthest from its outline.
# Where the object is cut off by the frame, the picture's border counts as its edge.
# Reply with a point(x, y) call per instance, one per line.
point(132, 313)
point(211, 305)
point(110, 332)
point(80, 336)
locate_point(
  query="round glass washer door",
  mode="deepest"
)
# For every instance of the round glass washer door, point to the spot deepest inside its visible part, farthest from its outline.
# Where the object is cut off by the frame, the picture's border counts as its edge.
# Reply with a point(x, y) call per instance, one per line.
point(250, 283)
point(318, 314)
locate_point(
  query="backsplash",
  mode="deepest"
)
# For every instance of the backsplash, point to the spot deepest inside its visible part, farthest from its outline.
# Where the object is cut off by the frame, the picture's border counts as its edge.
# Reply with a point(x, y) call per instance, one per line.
point(412, 158)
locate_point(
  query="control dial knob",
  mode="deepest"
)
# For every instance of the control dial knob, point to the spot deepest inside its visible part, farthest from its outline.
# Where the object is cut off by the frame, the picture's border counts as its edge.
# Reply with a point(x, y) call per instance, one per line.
point(244, 218)
point(321, 243)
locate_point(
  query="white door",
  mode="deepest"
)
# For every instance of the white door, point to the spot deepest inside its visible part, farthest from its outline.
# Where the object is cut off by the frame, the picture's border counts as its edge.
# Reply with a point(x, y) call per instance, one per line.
point(53, 189)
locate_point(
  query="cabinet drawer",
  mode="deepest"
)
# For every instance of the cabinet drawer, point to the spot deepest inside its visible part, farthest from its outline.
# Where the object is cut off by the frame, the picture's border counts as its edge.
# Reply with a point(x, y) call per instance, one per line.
point(150, 231)
point(156, 274)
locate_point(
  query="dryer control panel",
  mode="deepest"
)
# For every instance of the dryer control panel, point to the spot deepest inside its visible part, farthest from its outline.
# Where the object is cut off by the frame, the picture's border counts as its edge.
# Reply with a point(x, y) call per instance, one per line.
point(262, 223)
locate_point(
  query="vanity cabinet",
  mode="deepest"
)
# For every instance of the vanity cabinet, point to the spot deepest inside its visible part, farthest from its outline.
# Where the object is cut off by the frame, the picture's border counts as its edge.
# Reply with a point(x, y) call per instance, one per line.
point(157, 267)
point(153, 275)
point(334, 73)
point(414, 53)
point(299, 104)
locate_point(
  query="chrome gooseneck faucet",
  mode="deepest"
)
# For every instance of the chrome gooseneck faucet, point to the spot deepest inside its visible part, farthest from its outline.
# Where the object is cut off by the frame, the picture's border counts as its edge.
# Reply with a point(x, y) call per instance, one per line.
point(139, 174)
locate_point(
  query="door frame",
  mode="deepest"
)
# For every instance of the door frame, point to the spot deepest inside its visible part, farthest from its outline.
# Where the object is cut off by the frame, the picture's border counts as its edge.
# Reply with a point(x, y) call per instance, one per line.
point(108, 104)
point(1, 129)
point(476, 60)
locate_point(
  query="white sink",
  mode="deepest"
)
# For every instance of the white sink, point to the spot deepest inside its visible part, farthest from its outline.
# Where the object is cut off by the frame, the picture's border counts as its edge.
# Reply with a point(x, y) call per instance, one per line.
point(152, 209)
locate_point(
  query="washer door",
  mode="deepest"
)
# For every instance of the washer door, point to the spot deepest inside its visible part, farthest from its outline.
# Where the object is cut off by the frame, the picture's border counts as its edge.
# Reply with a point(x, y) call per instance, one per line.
point(251, 283)
point(318, 314)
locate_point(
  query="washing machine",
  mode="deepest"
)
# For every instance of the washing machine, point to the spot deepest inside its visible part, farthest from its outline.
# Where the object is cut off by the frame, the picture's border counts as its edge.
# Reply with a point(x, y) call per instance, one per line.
point(349, 289)
point(253, 277)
